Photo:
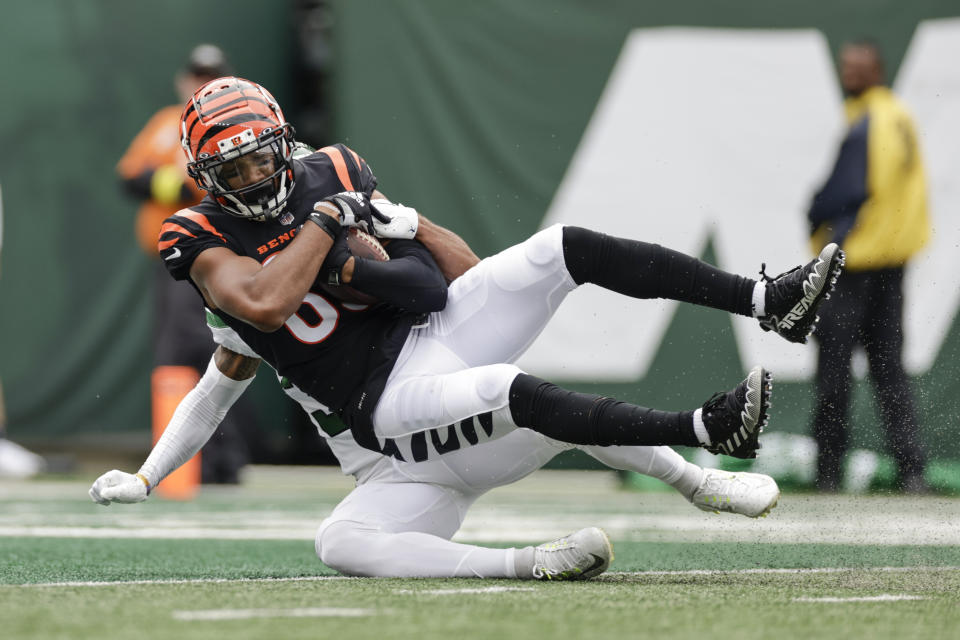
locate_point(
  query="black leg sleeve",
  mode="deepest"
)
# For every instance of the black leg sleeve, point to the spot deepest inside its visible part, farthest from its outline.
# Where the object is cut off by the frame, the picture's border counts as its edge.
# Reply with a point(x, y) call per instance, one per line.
point(643, 270)
point(587, 419)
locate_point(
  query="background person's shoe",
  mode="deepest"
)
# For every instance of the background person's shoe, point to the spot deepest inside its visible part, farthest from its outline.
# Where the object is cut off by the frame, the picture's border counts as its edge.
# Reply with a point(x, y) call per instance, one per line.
point(915, 484)
point(17, 462)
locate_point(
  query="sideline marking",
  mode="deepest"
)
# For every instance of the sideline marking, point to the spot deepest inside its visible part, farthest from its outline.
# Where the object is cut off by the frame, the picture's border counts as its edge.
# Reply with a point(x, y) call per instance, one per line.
point(447, 592)
point(689, 572)
point(173, 533)
point(887, 597)
point(120, 583)
point(720, 572)
point(247, 614)
point(907, 527)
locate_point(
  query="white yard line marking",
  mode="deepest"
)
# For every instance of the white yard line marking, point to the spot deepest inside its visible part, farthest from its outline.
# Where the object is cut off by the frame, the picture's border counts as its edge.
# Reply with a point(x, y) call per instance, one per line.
point(802, 528)
point(447, 592)
point(159, 531)
point(904, 528)
point(117, 583)
point(887, 597)
point(718, 572)
point(691, 572)
point(248, 614)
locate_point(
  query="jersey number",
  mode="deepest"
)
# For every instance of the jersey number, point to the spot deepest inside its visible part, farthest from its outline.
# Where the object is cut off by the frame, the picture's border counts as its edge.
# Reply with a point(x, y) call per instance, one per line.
point(314, 333)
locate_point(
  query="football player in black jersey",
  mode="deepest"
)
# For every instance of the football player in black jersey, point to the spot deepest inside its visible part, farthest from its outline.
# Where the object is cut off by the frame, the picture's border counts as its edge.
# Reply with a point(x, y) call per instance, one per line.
point(424, 377)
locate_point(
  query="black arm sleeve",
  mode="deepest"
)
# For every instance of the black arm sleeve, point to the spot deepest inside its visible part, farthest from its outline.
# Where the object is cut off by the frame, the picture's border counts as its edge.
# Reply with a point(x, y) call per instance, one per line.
point(140, 187)
point(846, 189)
point(410, 280)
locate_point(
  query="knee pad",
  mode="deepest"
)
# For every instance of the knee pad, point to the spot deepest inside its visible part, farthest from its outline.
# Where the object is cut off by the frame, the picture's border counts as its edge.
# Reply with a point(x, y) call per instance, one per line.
point(545, 246)
point(337, 542)
point(493, 383)
point(476, 391)
point(331, 540)
point(530, 262)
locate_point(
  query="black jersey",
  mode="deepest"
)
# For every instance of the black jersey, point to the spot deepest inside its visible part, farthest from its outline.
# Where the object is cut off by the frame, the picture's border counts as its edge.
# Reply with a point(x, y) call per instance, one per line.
point(338, 353)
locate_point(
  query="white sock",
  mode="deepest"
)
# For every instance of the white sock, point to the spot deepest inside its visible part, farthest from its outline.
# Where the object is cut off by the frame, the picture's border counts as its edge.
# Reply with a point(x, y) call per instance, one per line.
point(523, 562)
point(689, 481)
point(700, 429)
point(662, 463)
point(759, 299)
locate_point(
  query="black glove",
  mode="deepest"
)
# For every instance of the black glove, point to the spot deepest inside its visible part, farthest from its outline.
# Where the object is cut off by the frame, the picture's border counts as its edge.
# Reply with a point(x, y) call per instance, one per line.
point(355, 210)
point(333, 264)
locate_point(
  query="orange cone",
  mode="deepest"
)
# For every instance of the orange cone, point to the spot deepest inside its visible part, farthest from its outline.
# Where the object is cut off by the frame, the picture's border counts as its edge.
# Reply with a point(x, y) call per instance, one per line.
point(169, 385)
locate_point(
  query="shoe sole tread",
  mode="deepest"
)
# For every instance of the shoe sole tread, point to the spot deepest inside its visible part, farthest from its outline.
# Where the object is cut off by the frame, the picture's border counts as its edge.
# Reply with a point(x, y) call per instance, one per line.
point(734, 446)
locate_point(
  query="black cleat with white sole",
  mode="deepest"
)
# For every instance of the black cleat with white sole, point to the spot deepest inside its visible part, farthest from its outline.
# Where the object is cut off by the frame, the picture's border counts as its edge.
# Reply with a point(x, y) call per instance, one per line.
point(734, 419)
point(792, 298)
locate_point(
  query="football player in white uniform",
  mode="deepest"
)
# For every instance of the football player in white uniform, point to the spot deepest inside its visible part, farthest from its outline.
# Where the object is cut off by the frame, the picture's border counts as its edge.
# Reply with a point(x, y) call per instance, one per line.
point(426, 409)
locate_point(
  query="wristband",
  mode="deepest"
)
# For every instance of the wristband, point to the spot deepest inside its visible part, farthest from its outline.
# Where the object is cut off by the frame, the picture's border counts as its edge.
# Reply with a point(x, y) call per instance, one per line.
point(327, 223)
point(144, 480)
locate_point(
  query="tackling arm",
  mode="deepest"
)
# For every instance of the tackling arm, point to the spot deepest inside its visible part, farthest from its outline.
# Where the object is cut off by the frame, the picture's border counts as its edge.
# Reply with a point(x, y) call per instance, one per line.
point(452, 253)
point(196, 418)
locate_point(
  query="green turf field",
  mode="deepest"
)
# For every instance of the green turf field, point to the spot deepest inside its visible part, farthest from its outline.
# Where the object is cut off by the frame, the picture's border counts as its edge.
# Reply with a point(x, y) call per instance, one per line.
point(239, 563)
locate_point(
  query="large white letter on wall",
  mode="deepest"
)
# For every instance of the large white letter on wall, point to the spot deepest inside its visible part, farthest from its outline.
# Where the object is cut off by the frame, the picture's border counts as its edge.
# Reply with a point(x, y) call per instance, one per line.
point(698, 132)
point(727, 133)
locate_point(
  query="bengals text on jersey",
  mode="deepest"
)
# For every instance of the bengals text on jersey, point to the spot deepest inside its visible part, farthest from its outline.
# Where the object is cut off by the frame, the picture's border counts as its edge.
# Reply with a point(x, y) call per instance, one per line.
point(339, 353)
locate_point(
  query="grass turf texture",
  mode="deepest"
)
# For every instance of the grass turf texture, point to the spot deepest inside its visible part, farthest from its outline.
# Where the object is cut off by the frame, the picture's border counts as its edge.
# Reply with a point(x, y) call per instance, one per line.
point(622, 604)
point(44, 560)
point(742, 577)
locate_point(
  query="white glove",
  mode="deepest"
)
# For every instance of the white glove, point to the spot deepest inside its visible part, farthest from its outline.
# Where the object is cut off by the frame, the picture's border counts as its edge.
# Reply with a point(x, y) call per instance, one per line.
point(119, 486)
point(354, 209)
point(401, 221)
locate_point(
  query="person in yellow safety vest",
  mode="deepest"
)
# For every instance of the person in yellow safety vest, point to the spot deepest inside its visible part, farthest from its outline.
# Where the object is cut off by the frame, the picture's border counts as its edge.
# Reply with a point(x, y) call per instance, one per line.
point(874, 205)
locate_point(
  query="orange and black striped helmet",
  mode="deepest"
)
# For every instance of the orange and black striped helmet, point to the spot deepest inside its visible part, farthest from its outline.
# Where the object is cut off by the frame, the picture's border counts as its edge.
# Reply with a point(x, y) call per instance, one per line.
point(239, 147)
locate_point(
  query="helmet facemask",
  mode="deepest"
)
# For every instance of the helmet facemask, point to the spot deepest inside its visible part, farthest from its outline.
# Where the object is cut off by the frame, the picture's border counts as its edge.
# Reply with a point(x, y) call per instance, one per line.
point(225, 174)
point(239, 148)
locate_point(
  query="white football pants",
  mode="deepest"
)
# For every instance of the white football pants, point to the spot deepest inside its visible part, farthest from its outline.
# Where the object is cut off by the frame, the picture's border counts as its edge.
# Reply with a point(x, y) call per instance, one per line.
point(399, 522)
point(460, 365)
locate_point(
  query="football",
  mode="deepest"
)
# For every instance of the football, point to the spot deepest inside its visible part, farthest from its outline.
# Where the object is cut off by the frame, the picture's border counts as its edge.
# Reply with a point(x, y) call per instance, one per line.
point(362, 245)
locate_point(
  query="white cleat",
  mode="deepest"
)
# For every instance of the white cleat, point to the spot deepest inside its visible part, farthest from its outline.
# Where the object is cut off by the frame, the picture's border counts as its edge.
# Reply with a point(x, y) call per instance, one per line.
point(749, 494)
point(578, 556)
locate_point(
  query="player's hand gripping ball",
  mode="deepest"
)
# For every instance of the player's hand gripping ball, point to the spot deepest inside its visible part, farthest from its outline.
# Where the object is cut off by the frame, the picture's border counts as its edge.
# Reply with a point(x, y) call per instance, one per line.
point(361, 245)
point(354, 210)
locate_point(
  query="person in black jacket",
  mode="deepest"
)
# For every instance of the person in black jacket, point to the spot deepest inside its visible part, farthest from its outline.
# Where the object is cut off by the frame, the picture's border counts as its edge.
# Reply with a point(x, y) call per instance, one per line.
point(874, 205)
